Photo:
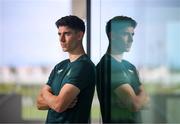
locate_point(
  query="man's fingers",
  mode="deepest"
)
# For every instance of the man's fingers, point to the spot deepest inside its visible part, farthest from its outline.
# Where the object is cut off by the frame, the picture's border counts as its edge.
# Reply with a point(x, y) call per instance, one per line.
point(73, 103)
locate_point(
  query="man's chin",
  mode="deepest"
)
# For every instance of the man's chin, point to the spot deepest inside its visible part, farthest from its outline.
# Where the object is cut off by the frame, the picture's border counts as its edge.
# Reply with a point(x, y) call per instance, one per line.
point(64, 50)
point(127, 50)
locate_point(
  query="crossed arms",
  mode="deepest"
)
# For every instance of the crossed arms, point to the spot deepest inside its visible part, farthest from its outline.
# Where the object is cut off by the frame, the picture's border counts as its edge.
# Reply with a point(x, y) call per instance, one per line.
point(66, 98)
point(129, 99)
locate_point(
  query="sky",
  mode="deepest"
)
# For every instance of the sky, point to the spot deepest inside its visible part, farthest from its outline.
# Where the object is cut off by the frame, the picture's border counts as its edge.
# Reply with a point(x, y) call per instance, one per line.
point(157, 35)
point(28, 35)
point(28, 31)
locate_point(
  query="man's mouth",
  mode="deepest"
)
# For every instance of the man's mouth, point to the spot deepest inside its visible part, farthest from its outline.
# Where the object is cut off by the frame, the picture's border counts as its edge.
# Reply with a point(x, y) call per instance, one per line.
point(63, 45)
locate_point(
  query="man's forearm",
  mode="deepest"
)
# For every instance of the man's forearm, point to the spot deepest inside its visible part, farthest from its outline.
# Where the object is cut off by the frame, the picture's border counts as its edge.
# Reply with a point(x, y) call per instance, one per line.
point(63, 100)
point(143, 97)
point(49, 98)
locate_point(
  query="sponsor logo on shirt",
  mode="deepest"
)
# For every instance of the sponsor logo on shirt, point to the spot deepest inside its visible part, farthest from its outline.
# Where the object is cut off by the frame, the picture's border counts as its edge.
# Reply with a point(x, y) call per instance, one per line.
point(130, 71)
point(59, 71)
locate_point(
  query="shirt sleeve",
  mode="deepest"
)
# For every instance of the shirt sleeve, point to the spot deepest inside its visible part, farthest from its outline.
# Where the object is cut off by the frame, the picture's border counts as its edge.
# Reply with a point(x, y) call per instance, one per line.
point(80, 74)
point(136, 81)
point(51, 76)
point(119, 78)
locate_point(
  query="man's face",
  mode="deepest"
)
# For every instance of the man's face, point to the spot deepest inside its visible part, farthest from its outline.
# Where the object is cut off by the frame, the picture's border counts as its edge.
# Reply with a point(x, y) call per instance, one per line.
point(69, 38)
point(121, 40)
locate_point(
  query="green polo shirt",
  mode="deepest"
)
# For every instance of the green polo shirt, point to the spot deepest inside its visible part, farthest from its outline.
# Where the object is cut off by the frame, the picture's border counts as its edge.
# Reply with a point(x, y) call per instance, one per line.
point(123, 73)
point(110, 75)
point(80, 73)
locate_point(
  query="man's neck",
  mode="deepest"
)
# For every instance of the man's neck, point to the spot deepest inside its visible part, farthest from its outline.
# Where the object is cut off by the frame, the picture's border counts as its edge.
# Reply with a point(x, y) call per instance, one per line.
point(117, 57)
point(76, 54)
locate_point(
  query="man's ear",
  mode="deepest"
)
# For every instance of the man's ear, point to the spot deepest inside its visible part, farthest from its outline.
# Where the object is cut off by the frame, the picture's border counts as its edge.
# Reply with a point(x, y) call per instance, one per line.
point(80, 35)
point(111, 36)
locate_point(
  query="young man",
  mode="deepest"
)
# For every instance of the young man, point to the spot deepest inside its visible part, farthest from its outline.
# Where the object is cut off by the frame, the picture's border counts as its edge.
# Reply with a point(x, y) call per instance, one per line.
point(69, 91)
point(119, 89)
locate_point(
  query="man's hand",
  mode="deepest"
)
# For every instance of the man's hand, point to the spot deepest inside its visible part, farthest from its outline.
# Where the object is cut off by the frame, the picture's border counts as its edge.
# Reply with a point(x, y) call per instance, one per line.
point(40, 102)
point(46, 88)
point(73, 103)
point(133, 101)
point(119, 103)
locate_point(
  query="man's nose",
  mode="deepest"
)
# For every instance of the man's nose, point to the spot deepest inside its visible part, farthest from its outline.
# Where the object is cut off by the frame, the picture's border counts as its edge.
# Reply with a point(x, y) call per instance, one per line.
point(62, 38)
point(130, 38)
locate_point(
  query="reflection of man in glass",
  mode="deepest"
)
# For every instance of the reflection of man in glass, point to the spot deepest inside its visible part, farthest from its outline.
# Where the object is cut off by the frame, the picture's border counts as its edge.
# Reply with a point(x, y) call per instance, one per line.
point(120, 91)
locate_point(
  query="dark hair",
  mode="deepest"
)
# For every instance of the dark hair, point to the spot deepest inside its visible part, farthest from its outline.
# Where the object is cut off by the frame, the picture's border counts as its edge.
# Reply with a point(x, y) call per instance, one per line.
point(71, 21)
point(120, 20)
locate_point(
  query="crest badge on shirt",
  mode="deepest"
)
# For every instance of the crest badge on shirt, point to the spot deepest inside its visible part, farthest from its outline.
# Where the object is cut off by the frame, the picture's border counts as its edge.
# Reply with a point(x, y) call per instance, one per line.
point(68, 73)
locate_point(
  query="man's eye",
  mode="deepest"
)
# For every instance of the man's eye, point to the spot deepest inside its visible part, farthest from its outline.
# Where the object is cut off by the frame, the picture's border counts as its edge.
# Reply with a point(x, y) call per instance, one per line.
point(124, 33)
point(68, 33)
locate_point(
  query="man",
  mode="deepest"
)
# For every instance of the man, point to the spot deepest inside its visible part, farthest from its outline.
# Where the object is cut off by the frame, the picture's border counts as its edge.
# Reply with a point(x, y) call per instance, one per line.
point(119, 89)
point(69, 91)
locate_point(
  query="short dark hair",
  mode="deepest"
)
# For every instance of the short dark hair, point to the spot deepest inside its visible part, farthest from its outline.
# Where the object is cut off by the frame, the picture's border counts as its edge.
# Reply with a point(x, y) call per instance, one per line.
point(119, 20)
point(71, 21)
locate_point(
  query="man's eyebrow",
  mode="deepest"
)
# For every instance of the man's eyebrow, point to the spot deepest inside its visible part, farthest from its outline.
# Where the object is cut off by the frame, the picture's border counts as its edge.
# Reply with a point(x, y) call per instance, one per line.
point(67, 32)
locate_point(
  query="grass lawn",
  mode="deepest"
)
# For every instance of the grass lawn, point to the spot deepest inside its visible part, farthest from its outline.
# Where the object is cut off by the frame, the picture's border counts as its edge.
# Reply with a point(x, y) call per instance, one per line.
point(32, 113)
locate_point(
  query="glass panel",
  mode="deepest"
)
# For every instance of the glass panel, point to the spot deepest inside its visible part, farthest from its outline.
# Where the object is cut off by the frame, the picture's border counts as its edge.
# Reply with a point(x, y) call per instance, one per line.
point(154, 53)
